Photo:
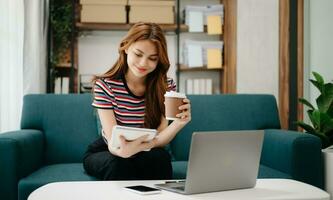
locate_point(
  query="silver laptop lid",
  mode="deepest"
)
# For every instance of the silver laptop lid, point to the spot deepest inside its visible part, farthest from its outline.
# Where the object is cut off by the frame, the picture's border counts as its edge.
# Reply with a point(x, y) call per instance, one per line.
point(223, 160)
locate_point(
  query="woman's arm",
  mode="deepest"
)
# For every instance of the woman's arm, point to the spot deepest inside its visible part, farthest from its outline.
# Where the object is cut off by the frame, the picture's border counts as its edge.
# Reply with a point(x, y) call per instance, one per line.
point(108, 120)
point(167, 133)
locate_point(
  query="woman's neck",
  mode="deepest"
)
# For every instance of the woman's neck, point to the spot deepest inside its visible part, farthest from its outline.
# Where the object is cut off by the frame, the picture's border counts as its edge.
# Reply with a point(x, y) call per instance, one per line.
point(136, 85)
point(130, 78)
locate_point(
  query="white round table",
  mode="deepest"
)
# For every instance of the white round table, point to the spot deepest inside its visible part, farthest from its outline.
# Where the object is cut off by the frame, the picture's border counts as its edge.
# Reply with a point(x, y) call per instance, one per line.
point(265, 189)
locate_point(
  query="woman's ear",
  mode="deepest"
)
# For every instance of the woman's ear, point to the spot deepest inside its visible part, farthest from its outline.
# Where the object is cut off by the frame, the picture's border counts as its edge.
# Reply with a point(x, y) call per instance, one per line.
point(126, 51)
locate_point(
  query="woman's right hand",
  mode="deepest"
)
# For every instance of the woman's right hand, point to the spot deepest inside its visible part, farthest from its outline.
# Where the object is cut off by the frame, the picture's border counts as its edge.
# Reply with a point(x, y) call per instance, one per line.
point(130, 148)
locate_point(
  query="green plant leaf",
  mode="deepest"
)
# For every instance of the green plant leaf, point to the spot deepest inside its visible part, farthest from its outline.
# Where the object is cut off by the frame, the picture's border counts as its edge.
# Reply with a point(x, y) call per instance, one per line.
point(324, 103)
point(306, 127)
point(61, 27)
point(330, 111)
point(305, 102)
point(328, 88)
point(326, 124)
point(310, 117)
point(330, 134)
point(317, 84)
point(321, 118)
point(325, 100)
point(325, 141)
point(315, 119)
point(318, 78)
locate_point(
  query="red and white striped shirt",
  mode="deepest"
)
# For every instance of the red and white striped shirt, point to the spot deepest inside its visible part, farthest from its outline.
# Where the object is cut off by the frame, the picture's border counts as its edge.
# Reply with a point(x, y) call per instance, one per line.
point(128, 108)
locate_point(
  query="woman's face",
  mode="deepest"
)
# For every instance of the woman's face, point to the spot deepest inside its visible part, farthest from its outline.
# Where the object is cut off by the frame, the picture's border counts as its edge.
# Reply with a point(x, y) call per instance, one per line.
point(142, 58)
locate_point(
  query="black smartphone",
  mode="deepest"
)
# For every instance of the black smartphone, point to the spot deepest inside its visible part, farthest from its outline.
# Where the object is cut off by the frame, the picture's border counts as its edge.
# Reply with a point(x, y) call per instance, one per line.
point(141, 189)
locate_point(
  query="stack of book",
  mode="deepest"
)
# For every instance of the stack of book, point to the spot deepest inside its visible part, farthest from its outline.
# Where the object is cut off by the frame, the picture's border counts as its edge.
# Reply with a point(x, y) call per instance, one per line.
point(199, 86)
point(61, 85)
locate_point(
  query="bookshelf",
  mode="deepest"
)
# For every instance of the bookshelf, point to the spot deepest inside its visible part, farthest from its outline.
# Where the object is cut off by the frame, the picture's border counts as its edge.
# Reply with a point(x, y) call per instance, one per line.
point(226, 74)
point(223, 80)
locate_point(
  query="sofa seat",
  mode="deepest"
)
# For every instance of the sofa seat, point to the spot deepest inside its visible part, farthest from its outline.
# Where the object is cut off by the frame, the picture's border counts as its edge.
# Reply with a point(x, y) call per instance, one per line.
point(52, 173)
point(180, 167)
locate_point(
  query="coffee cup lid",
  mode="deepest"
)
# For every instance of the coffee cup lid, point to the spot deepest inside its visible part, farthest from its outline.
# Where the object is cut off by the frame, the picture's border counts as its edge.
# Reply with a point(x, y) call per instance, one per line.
point(174, 94)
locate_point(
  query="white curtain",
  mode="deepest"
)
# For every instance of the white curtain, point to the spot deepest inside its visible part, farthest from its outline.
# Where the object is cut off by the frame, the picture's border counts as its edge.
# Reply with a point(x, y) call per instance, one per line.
point(35, 51)
point(11, 63)
point(23, 36)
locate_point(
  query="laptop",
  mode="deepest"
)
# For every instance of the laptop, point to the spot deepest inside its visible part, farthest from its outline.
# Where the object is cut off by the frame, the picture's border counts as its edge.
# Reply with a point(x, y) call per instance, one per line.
point(218, 161)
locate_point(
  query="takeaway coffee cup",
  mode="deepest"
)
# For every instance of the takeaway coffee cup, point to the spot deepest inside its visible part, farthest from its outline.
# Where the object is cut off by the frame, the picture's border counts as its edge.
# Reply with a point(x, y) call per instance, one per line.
point(172, 101)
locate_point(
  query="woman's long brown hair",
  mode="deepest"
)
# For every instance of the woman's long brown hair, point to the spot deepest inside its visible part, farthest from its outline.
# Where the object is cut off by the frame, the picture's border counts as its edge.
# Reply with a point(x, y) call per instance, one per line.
point(156, 81)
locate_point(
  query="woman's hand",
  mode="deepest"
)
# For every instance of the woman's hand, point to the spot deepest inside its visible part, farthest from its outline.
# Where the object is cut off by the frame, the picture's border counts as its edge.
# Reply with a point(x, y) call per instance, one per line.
point(185, 115)
point(130, 148)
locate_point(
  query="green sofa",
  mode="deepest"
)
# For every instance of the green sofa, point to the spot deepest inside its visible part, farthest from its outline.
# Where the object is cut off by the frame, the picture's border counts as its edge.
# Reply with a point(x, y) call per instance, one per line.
point(56, 129)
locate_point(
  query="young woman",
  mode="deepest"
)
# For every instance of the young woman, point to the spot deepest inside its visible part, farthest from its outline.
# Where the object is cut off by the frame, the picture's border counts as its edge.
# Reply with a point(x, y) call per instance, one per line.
point(131, 94)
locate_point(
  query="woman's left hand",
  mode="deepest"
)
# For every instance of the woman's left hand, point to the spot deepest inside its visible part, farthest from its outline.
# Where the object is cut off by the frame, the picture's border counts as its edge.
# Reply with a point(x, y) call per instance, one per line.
point(185, 115)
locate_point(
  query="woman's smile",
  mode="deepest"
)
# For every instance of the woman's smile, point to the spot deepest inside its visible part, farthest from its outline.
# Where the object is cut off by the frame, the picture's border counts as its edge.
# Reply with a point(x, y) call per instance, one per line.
point(141, 69)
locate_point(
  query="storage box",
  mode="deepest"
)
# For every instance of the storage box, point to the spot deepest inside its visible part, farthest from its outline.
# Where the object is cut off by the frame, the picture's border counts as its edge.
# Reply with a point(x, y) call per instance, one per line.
point(161, 12)
point(103, 11)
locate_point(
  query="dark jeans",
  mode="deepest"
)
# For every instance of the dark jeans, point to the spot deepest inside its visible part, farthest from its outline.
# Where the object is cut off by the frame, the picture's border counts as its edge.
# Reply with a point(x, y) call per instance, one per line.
point(147, 165)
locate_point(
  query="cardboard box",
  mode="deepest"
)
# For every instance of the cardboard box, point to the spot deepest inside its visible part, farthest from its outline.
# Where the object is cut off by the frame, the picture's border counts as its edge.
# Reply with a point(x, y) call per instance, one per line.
point(161, 12)
point(103, 11)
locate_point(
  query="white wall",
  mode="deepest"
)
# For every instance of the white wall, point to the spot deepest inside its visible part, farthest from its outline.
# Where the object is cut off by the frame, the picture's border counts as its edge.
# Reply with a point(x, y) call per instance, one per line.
point(258, 46)
point(318, 43)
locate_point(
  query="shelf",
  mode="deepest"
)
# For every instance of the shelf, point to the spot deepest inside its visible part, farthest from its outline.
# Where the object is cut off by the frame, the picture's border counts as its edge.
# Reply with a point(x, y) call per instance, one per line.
point(184, 28)
point(184, 68)
point(123, 27)
point(63, 70)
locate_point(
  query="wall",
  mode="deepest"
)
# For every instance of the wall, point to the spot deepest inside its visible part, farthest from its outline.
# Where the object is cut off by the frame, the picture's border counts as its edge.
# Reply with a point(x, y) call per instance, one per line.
point(258, 46)
point(318, 43)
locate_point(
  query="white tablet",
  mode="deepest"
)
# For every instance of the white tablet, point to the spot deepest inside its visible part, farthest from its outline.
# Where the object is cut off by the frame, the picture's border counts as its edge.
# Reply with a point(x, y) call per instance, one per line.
point(130, 133)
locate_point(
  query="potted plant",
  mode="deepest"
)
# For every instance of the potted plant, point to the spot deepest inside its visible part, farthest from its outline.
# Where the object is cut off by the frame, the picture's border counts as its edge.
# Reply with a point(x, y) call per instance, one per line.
point(61, 27)
point(321, 115)
point(321, 118)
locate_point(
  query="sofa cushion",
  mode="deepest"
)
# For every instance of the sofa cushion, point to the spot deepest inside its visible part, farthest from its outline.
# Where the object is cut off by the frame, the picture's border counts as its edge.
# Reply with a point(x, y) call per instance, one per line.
point(67, 121)
point(52, 173)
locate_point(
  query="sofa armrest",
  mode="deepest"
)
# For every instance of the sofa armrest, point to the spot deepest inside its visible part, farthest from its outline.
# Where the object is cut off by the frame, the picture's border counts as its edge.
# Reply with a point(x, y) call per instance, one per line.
point(295, 153)
point(21, 153)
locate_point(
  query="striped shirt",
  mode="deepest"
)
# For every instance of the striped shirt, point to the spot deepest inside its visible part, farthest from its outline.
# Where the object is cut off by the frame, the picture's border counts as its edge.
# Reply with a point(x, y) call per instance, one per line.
point(128, 108)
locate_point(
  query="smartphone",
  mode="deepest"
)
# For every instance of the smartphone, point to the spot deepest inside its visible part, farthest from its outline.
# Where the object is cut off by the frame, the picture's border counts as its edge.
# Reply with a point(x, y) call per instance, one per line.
point(141, 189)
